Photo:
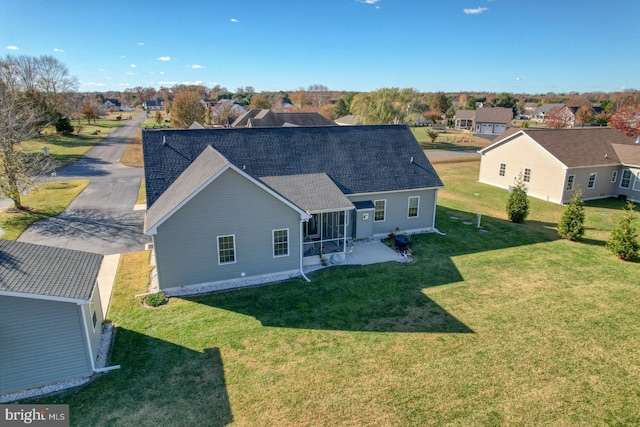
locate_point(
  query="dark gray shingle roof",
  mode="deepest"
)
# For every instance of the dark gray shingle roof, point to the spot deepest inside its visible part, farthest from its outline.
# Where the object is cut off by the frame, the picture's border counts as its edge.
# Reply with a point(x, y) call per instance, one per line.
point(358, 159)
point(313, 192)
point(43, 270)
point(267, 118)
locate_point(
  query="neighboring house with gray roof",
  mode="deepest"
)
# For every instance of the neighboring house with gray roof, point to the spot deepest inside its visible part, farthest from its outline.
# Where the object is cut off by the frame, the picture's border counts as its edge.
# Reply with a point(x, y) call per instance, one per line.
point(112, 103)
point(257, 118)
point(541, 111)
point(603, 162)
point(50, 315)
point(487, 120)
point(225, 206)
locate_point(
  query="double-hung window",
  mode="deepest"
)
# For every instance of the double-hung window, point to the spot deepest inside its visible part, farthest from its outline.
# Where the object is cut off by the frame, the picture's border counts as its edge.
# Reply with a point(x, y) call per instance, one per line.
point(503, 169)
point(527, 175)
point(614, 176)
point(281, 242)
point(636, 184)
point(227, 249)
point(592, 180)
point(414, 203)
point(570, 181)
point(380, 207)
point(625, 180)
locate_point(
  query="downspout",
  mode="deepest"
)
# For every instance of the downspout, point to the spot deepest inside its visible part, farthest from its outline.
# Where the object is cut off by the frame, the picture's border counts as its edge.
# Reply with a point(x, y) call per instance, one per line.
point(435, 204)
point(301, 251)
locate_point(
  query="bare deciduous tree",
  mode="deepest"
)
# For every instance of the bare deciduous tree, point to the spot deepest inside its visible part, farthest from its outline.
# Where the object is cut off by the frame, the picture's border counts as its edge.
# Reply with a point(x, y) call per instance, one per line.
point(19, 171)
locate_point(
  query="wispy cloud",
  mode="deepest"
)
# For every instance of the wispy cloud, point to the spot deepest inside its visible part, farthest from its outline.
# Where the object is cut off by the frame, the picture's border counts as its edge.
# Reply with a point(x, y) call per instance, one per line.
point(234, 20)
point(140, 44)
point(164, 58)
point(368, 1)
point(167, 83)
point(129, 73)
point(476, 11)
point(133, 65)
point(13, 47)
point(197, 66)
point(58, 50)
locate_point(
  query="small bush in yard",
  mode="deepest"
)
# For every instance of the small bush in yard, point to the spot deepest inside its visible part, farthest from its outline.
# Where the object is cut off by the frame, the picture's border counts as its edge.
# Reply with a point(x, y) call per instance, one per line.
point(154, 300)
point(571, 225)
point(518, 203)
point(623, 242)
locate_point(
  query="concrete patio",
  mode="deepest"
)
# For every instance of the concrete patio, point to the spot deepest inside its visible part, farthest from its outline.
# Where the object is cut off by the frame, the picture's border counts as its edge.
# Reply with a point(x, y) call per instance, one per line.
point(373, 252)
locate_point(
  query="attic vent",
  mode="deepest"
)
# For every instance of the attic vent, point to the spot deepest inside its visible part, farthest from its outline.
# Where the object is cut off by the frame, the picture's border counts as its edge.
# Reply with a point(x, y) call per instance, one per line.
point(244, 167)
point(411, 159)
point(164, 140)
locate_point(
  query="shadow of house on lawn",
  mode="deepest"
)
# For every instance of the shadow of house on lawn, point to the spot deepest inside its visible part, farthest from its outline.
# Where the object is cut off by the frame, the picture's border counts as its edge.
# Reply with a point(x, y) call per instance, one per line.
point(384, 297)
point(159, 383)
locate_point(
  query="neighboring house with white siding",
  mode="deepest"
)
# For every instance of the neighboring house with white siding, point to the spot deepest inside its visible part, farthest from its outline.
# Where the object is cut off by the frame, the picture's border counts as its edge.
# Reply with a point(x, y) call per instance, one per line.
point(229, 205)
point(50, 315)
point(603, 162)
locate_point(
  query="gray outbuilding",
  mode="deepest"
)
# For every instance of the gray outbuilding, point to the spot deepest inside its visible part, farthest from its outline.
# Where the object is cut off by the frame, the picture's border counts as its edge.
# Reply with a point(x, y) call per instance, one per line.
point(50, 315)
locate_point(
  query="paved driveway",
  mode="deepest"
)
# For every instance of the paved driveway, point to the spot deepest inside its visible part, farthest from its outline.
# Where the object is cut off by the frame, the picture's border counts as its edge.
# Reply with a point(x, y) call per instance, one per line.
point(101, 219)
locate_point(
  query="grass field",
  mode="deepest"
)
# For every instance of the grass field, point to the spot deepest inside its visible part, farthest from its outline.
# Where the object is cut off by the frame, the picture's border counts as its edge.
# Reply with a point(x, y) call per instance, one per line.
point(511, 326)
point(46, 201)
point(450, 139)
point(66, 149)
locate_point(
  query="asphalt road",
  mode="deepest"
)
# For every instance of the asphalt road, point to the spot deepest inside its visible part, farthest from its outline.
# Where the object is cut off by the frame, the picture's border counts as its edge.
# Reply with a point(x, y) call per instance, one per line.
point(101, 219)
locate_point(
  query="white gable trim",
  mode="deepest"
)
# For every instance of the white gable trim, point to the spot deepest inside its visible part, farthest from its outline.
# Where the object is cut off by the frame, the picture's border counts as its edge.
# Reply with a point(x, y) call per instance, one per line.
point(154, 228)
point(43, 297)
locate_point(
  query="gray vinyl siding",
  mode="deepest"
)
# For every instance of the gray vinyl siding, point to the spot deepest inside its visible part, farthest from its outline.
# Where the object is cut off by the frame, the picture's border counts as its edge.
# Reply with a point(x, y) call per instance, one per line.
point(603, 186)
point(397, 205)
point(41, 342)
point(186, 243)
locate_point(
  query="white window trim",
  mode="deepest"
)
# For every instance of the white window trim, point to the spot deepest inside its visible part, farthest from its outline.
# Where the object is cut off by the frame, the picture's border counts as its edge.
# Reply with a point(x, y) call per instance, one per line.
point(622, 178)
point(409, 207)
point(384, 211)
point(614, 176)
point(502, 171)
point(526, 177)
point(273, 242)
point(572, 181)
point(235, 253)
point(636, 182)
point(595, 177)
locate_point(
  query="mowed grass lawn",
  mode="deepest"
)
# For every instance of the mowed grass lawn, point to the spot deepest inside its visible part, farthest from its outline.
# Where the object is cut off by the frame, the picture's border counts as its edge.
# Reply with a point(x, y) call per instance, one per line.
point(505, 327)
point(67, 149)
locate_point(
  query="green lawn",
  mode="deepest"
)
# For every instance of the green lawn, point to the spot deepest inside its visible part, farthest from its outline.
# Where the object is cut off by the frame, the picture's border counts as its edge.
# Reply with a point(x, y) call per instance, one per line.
point(450, 139)
point(67, 149)
point(46, 201)
point(511, 326)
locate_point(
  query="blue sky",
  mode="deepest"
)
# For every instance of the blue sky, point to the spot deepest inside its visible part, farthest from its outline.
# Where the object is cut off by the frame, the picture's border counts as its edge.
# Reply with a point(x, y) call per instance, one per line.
point(360, 45)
